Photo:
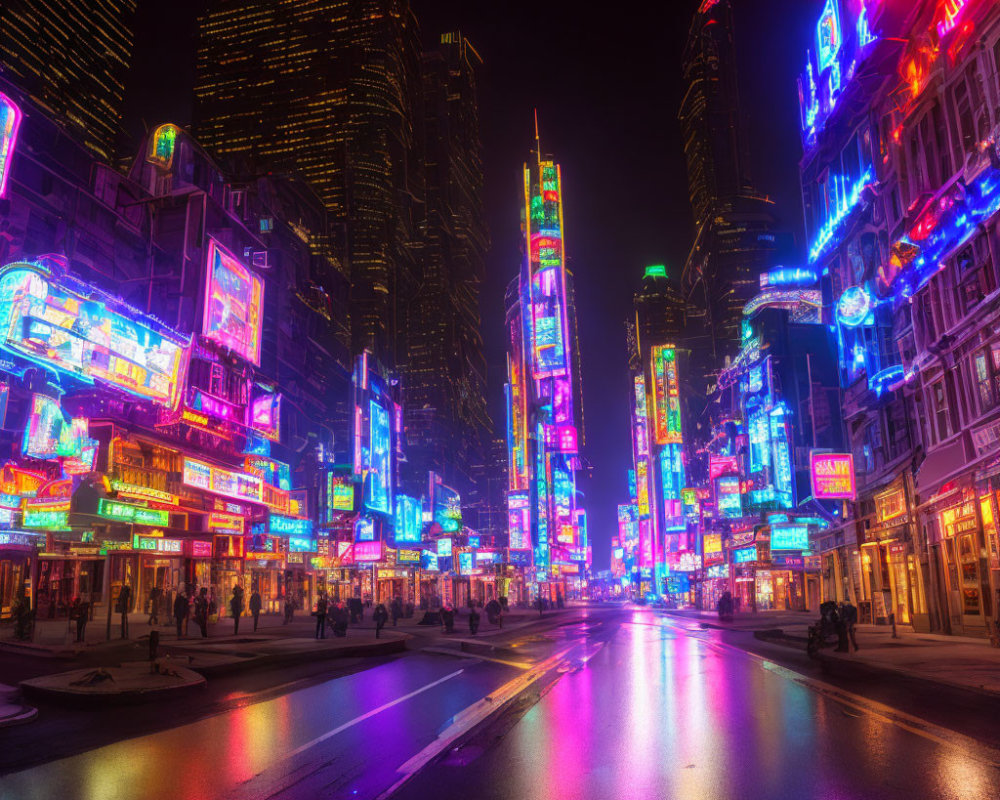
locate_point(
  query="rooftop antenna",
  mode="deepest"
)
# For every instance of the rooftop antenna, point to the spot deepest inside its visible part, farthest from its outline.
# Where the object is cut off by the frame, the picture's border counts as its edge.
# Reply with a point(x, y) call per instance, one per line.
point(538, 146)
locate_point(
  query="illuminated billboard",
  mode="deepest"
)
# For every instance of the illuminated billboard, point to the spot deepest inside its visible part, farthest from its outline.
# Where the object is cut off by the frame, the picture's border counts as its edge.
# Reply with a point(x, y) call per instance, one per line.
point(447, 506)
point(74, 328)
point(378, 480)
point(789, 536)
point(234, 299)
point(10, 121)
point(832, 476)
point(339, 495)
point(409, 519)
point(368, 551)
point(265, 415)
point(519, 521)
point(666, 396)
point(727, 494)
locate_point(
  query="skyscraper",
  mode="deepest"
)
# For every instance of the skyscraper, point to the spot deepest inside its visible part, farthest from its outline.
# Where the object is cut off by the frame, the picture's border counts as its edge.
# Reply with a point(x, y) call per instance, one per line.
point(71, 58)
point(544, 507)
point(448, 425)
point(736, 234)
point(327, 89)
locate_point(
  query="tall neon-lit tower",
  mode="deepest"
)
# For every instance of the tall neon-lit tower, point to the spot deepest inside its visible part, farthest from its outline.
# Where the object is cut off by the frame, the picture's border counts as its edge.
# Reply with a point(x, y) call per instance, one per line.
point(544, 510)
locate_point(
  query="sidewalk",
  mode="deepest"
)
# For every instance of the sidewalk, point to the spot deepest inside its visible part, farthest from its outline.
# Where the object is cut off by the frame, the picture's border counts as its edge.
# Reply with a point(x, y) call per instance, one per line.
point(957, 661)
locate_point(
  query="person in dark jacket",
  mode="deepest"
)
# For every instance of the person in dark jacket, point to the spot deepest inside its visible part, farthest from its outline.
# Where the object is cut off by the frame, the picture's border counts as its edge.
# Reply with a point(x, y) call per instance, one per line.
point(381, 617)
point(124, 601)
point(473, 618)
point(321, 606)
point(255, 605)
point(289, 608)
point(182, 606)
point(448, 618)
point(79, 611)
point(155, 595)
point(201, 611)
point(236, 607)
point(494, 613)
point(340, 620)
point(396, 608)
point(357, 609)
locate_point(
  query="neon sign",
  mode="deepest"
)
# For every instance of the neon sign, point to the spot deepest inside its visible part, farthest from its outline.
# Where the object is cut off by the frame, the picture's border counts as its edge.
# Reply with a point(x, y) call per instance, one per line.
point(74, 328)
point(846, 197)
point(728, 499)
point(161, 146)
point(832, 476)
point(135, 515)
point(10, 121)
point(157, 544)
point(666, 396)
point(234, 299)
point(828, 35)
point(854, 307)
point(745, 555)
point(444, 547)
point(340, 494)
point(789, 537)
point(364, 529)
point(409, 519)
point(237, 485)
point(281, 525)
point(377, 497)
point(265, 415)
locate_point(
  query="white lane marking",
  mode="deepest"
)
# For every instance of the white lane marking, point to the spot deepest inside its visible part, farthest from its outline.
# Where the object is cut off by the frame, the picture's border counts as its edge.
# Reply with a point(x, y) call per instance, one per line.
point(370, 714)
point(921, 727)
point(469, 718)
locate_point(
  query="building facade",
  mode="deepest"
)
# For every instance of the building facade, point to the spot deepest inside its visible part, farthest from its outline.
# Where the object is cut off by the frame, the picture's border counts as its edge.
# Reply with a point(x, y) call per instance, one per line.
point(71, 59)
point(546, 518)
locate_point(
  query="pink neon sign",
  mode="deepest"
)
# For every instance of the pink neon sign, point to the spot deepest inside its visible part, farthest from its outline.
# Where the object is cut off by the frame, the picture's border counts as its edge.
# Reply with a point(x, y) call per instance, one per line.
point(832, 476)
point(10, 121)
point(234, 299)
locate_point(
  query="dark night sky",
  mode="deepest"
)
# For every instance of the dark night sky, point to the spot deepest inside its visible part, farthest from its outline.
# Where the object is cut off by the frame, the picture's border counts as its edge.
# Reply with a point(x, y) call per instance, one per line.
point(607, 89)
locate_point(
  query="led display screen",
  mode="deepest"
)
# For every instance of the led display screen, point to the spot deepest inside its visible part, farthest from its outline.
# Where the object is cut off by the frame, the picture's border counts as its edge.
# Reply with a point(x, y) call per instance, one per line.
point(380, 454)
point(789, 537)
point(409, 519)
point(666, 396)
point(832, 476)
point(234, 299)
point(79, 331)
point(728, 499)
point(10, 121)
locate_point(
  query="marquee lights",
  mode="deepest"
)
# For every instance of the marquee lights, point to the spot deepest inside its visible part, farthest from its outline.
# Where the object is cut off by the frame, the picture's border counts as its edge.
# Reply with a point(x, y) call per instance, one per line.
point(846, 198)
point(134, 515)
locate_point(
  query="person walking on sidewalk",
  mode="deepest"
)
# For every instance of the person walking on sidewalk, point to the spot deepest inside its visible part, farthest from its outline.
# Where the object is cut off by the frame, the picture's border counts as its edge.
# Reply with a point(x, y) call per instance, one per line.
point(79, 611)
point(182, 607)
point(849, 618)
point(289, 607)
point(473, 618)
point(236, 608)
point(320, 614)
point(201, 611)
point(154, 605)
point(397, 610)
point(381, 617)
point(255, 606)
point(124, 596)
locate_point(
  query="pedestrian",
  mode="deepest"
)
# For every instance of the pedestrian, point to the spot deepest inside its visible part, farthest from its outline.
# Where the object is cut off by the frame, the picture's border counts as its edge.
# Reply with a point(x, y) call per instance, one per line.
point(289, 608)
point(448, 618)
point(357, 610)
point(236, 607)
point(320, 615)
point(340, 620)
point(154, 605)
point(79, 611)
point(473, 618)
point(201, 611)
point(397, 610)
point(849, 616)
point(124, 596)
point(182, 606)
point(255, 608)
point(381, 617)
point(541, 605)
point(494, 613)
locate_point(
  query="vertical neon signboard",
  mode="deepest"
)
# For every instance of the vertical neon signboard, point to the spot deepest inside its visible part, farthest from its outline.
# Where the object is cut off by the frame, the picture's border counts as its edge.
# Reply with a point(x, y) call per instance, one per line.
point(828, 34)
point(408, 518)
point(10, 121)
point(234, 299)
point(784, 491)
point(666, 396)
point(832, 476)
point(380, 459)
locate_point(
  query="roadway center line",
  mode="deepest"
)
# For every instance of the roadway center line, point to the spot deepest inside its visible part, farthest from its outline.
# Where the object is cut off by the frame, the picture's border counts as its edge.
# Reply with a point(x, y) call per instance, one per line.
point(370, 714)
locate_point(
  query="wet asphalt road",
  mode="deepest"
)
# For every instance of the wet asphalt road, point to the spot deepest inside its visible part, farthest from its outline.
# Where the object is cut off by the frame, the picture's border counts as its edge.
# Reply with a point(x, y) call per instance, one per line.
point(641, 707)
point(663, 710)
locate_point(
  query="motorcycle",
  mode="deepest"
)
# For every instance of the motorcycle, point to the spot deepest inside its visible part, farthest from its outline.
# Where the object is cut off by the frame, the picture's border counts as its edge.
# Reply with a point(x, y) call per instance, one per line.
point(819, 633)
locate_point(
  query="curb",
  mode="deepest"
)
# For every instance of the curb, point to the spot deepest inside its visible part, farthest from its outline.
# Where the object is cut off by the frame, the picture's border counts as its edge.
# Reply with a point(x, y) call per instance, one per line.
point(105, 699)
point(26, 714)
point(389, 647)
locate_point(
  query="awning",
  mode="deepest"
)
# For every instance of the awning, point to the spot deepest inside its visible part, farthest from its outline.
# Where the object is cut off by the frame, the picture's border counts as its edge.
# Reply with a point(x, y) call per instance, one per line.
point(942, 464)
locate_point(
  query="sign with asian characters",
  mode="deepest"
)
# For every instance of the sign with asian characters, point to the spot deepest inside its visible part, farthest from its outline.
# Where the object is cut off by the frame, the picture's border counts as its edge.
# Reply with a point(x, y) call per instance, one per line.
point(832, 476)
point(134, 515)
point(157, 544)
